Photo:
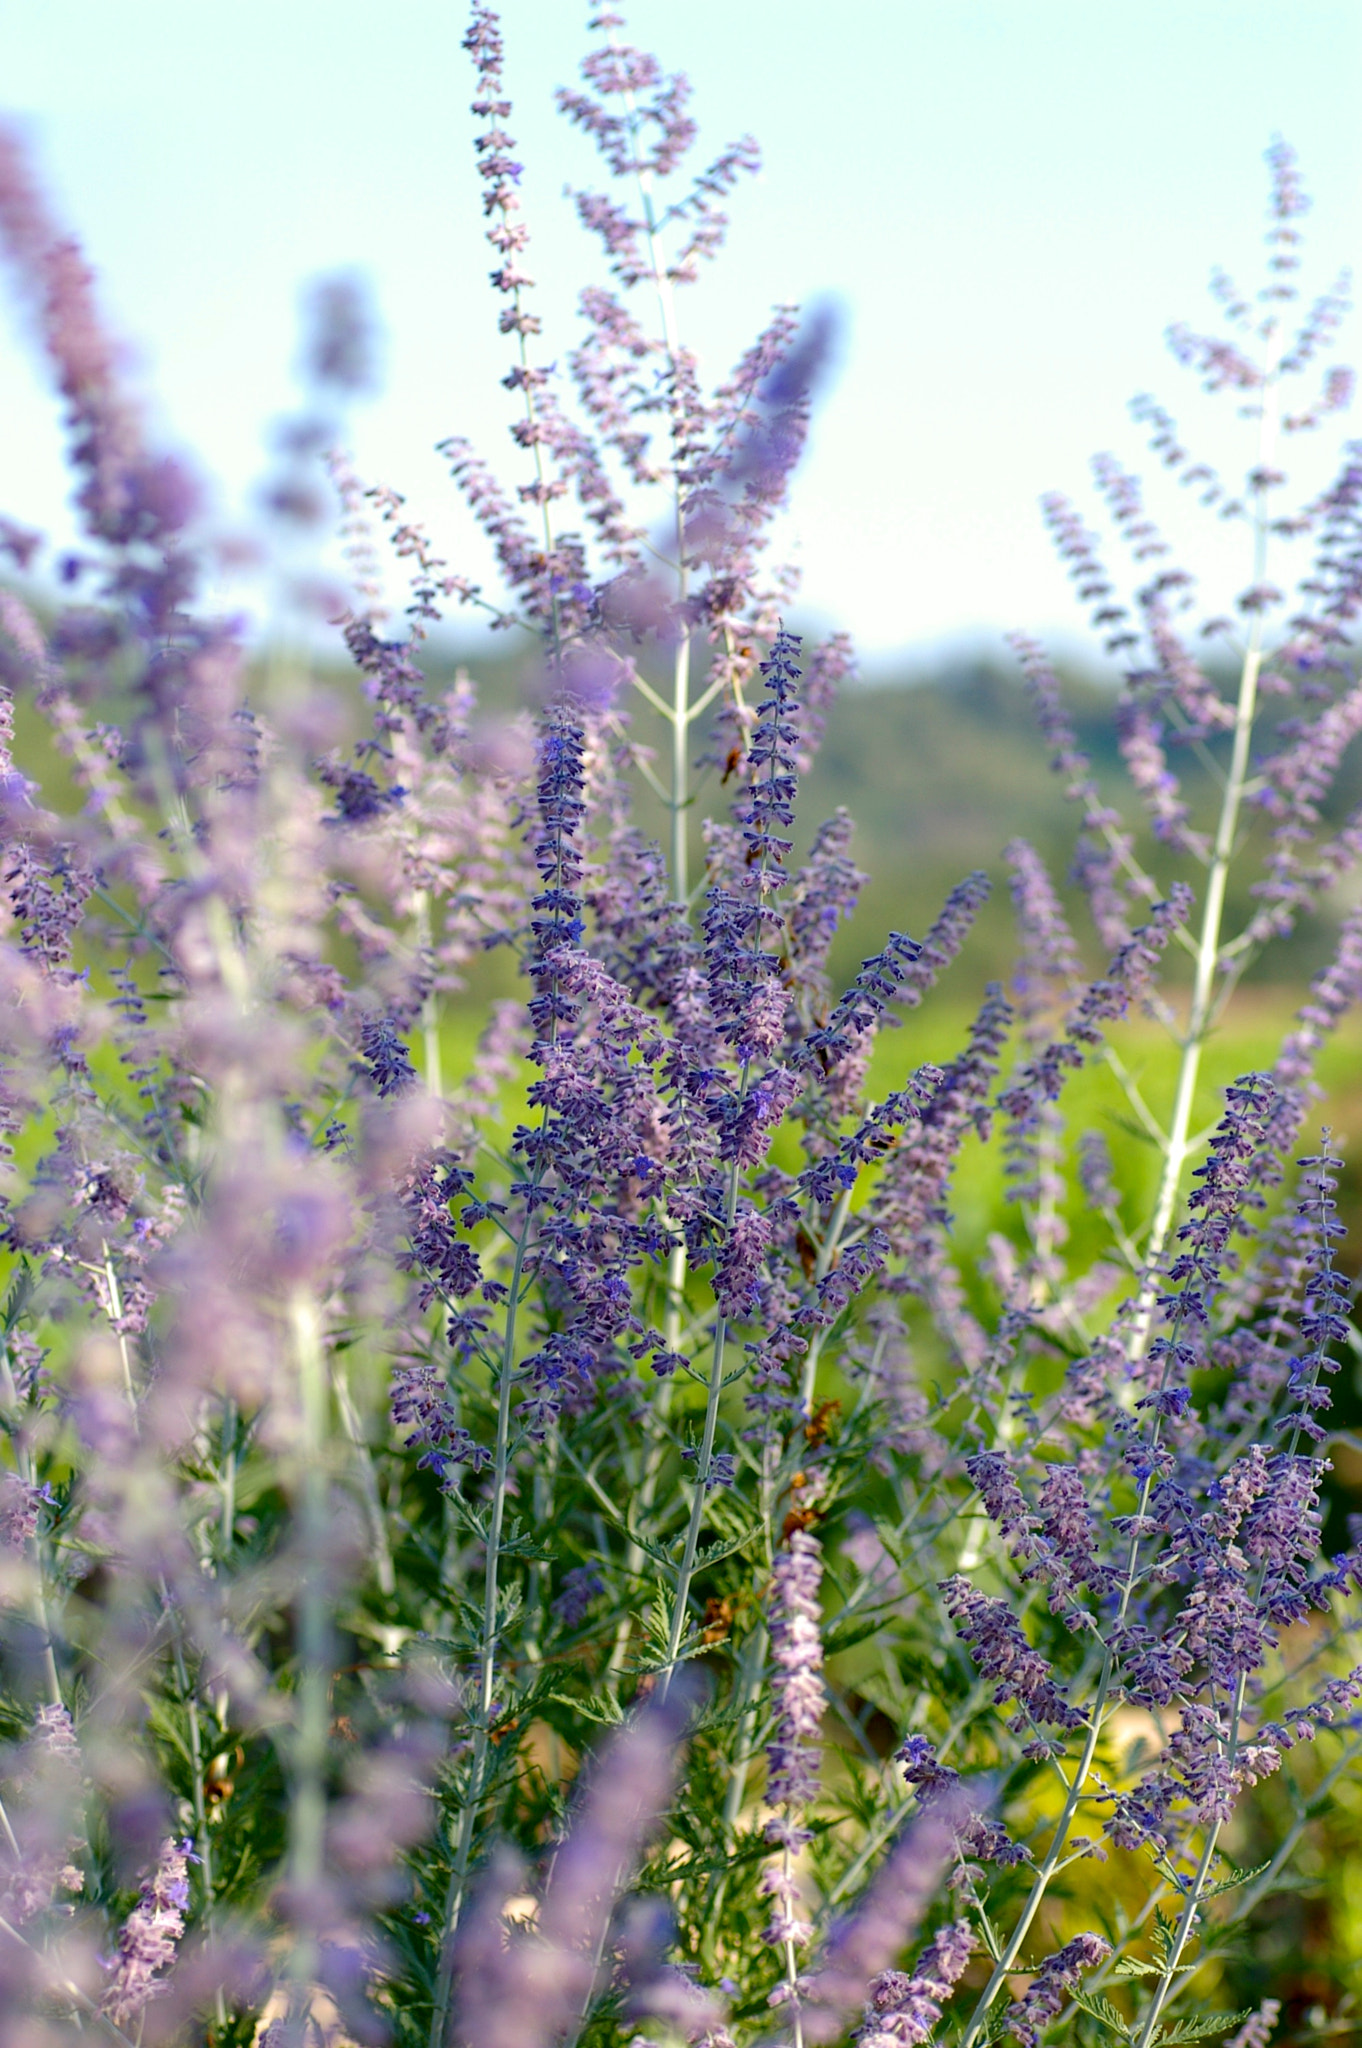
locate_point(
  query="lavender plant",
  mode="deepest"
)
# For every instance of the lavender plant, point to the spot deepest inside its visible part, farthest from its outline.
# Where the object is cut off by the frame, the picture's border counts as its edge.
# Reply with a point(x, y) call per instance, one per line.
point(582, 1550)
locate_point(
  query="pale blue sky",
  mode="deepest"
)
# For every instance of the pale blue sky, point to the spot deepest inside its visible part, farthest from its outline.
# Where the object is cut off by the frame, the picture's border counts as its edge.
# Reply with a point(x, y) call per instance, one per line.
point(1010, 199)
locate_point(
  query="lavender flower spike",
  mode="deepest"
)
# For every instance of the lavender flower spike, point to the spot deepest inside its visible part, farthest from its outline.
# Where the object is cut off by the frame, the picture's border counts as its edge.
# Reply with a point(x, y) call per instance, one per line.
point(902, 2011)
point(527, 1993)
point(1057, 1976)
point(874, 1935)
point(1259, 2027)
point(792, 1753)
point(151, 1933)
point(797, 1648)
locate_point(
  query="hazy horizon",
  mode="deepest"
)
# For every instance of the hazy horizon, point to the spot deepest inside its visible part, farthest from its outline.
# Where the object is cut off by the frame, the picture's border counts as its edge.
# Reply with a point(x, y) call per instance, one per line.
point(1007, 205)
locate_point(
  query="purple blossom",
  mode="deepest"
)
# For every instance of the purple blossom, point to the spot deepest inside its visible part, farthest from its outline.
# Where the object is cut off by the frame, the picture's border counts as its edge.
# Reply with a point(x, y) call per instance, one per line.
point(1258, 2029)
point(1001, 1651)
point(21, 1504)
point(582, 1586)
point(524, 1993)
point(902, 2010)
point(1105, 845)
point(423, 1411)
point(747, 998)
point(902, 973)
point(739, 1262)
point(126, 494)
point(822, 897)
point(1059, 1974)
point(1049, 965)
point(385, 1056)
point(1003, 1500)
point(1041, 1078)
point(868, 1940)
point(797, 1653)
point(150, 1936)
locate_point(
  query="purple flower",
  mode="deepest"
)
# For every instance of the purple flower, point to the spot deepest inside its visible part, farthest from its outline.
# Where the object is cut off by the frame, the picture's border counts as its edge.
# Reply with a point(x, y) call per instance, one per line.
point(1258, 2029)
point(386, 1057)
point(902, 973)
point(1104, 846)
point(423, 1411)
point(582, 1586)
point(1001, 1651)
point(1004, 1502)
point(150, 1935)
point(903, 2010)
point(1048, 1991)
point(1049, 965)
point(797, 1653)
point(524, 1993)
point(126, 494)
point(822, 897)
point(21, 1504)
point(884, 1920)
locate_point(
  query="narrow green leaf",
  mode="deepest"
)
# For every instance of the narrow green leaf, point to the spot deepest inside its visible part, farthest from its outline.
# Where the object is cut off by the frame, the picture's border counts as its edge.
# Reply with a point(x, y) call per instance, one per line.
point(1236, 1878)
point(1102, 2009)
point(1201, 2025)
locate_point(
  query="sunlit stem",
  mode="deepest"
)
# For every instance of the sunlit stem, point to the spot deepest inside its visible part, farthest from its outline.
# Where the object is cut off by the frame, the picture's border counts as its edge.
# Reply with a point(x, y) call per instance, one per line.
point(368, 1480)
point(1200, 1009)
point(680, 797)
point(657, 1449)
point(1046, 1870)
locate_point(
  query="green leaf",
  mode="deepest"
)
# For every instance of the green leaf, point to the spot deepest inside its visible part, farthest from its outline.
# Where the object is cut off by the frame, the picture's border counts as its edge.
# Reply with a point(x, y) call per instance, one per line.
point(1164, 1936)
point(1130, 1966)
point(1201, 2025)
point(726, 1546)
point(529, 1547)
point(1102, 2009)
point(846, 1635)
point(605, 1712)
point(1236, 1877)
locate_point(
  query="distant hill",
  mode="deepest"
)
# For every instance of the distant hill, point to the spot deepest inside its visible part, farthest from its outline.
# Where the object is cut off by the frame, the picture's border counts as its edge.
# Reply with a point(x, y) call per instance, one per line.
point(939, 767)
point(940, 770)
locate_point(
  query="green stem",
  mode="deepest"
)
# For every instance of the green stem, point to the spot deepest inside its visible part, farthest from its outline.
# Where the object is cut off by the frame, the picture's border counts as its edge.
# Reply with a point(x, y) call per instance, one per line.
point(458, 1877)
point(1045, 1870)
point(657, 1449)
point(308, 1749)
point(686, 1568)
point(1178, 1144)
point(430, 1007)
point(368, 1481)
point(822, 1265)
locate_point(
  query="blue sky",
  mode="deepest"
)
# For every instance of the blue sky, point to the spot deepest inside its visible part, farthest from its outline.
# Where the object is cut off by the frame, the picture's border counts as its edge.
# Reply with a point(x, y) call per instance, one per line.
point(1009, 200)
